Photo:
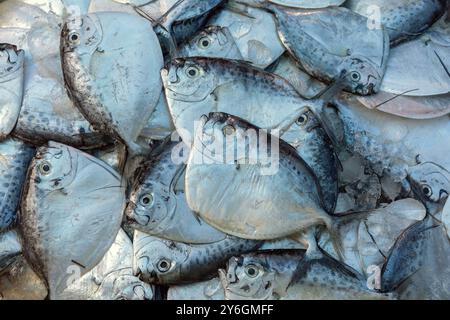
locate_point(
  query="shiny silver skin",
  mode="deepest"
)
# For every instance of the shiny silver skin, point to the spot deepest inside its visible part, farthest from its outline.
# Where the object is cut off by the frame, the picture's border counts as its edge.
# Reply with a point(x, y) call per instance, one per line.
point(115, 104)
point(11, 86)
point(157, 203)
point(402, 19)
point(237, 197)
point(15, 156)
point(160, 261)
point(204, 290)
point(340, 43)
point(292, 275)
point(68, 195)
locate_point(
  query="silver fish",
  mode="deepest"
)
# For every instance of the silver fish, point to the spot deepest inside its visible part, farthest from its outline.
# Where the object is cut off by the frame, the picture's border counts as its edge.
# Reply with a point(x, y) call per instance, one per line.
point(253, 30)
point(115, 95)
point(10, 249)
point(213, 42)
point(11, 86)
point(111, 279)
point(204, 290)
point(430, 56)
point(292, 275)
point(61, 178)
point(430, 183)
point(340, 43)
point(162, 261)
point(308, 4)
point(418, 265)
point(157, 203)
point(22, 283)
point(446, 217)
point(402, 20)
point(230, 191)
point(15, 156)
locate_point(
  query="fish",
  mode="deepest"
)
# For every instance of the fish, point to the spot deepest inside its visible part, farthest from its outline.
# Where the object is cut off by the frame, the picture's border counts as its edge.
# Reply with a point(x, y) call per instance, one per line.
point(253, 30)
point(411, 107)
point(159, 261)
point(115, 96)
point(181, 20)
point(292, 275)
point(15, 156)
point(115, 156)
point(22, 283)
point(10, 249)
point(204, 290)
point(68, 195)
point(222, 85)
point(157, 203)
point(418, 264)
point(264, 193)
point(367, 239)
point(47, 113)
point(390, 144)
point(11, 86)
point(328, 49)
point(111, 279)
point(425, 79)
point(430, 184)
point(403, 20)
point(213, 42)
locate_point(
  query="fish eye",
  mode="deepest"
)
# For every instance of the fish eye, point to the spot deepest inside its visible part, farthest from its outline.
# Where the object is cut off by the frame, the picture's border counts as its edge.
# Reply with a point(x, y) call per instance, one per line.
point(45, 168)
point(302, 120)
point(74, 37)
point(146, 199)
point(192, 72)
point(355, 76)
point(251, 270)
point(427, 190)
point(204, 42)
point(228, 130)
point(163, 265)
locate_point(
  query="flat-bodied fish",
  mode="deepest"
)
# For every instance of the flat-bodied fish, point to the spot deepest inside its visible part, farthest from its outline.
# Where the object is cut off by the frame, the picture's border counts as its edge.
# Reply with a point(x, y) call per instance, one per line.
point(418, 266)
point(402, 19)
point(430, 56)
point(111, 279)
point(254, 31)
point(204, 290)
point(250, 184)
point(10, 249)
point(292, 275)
point(11, 86)
point(162, 261)
point(308, 4)
point(331, 41)
point(213, 42)
point(15, 156)
point(446, 217)
point(69, 195)
point(102, 67)
point(157, 204)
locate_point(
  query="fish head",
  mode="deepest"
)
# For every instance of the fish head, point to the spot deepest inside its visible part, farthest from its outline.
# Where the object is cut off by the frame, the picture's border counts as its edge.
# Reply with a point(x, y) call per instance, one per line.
point(218, 135)
point(430, 182)
point(160, 261)
point(247, 277)
point(362, 77)
point(213, 41)
point(127, 287)
point(188, 80)
point(11, 60)
point(81, 35)
point(150, 203)
point(54, 167)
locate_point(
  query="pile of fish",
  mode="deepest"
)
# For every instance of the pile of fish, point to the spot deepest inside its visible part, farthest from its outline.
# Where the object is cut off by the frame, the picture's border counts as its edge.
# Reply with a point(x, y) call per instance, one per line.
point(224, 149)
